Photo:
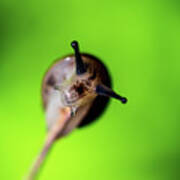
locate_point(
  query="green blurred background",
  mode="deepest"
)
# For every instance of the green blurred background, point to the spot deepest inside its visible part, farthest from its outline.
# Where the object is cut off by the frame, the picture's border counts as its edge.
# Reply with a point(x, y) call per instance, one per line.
point(139, 41)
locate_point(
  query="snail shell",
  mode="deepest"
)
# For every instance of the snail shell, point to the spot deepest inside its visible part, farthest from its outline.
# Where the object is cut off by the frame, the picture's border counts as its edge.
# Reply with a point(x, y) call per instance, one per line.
point(63, 70)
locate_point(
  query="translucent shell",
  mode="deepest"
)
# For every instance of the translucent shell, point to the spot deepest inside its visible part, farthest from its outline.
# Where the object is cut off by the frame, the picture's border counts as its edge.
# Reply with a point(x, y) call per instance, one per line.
point(62, 71)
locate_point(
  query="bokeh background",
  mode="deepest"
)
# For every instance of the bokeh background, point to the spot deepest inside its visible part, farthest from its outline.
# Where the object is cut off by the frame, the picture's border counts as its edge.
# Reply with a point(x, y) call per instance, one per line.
point(139, 41)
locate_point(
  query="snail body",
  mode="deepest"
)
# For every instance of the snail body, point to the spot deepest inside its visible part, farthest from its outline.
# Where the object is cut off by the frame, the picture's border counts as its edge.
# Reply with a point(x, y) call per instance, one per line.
point(72, 90)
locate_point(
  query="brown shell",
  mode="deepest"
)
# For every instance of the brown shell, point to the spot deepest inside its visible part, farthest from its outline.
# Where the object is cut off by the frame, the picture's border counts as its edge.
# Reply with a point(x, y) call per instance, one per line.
point(65, 67)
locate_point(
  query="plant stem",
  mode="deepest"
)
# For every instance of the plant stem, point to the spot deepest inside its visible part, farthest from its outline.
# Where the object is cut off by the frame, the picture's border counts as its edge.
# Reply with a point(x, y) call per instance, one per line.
point(51, 137)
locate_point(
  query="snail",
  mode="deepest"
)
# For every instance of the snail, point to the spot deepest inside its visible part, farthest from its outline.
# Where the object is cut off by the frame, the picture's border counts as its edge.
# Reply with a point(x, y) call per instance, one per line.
point(73, 90)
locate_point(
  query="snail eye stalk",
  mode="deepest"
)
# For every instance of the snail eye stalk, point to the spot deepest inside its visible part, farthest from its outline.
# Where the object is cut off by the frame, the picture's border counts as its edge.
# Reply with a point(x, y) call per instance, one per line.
point(80, 67)
point(105, 91)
